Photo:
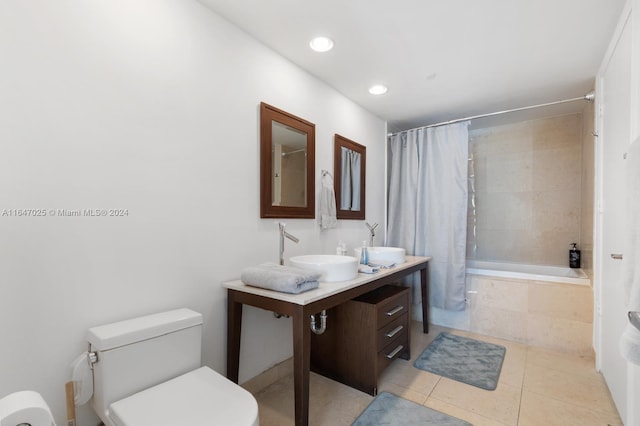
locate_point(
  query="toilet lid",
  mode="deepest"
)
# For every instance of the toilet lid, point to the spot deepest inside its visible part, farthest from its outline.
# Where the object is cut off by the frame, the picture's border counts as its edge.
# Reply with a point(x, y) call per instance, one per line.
point(200, 397)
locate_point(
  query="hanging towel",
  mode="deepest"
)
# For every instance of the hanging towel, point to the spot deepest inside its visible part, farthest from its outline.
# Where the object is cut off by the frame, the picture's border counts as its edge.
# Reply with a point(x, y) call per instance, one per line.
point(327, 205)
point(285, 279)
point(630, 340)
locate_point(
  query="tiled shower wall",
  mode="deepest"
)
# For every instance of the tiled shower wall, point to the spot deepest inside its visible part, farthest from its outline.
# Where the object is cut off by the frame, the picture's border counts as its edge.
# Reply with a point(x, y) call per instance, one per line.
point(528, 183)
point(588, 188)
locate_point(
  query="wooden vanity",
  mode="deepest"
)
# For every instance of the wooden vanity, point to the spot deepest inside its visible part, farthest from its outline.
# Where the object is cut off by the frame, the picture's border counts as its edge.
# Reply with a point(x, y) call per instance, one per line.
point(329, 295)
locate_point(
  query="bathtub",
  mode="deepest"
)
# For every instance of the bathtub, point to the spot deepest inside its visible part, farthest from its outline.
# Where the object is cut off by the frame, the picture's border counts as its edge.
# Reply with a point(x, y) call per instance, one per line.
point(552, 274)
point(545, 306)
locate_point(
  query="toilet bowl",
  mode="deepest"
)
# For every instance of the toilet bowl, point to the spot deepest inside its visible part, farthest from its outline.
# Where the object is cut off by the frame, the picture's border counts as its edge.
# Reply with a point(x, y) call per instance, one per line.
point(147, 371)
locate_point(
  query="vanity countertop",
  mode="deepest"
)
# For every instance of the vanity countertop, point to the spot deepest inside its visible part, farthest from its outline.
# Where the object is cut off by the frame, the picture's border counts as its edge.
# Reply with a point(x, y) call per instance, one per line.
point(325, 289)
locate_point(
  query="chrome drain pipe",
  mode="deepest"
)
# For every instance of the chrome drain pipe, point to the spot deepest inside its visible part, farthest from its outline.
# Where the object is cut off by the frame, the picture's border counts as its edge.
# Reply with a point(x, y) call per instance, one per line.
point(323, 323)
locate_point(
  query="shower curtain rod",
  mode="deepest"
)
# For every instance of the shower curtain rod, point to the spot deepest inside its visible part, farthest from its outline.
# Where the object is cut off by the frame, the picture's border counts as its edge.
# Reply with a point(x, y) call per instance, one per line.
point(285, 154)
point(589, 97)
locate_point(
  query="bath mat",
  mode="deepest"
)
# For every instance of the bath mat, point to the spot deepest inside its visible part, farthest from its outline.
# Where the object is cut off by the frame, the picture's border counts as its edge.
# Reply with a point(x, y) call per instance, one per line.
point(390, 410)
point(463, 359)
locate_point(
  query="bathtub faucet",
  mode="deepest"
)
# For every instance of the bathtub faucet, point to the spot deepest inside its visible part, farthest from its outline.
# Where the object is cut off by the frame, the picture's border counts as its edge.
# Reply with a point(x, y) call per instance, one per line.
point(372, 230)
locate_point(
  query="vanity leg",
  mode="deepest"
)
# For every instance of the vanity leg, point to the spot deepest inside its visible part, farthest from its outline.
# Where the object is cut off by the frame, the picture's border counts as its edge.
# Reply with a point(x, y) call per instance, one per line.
point(424, 287)
point(234, 326)
point(301, 357)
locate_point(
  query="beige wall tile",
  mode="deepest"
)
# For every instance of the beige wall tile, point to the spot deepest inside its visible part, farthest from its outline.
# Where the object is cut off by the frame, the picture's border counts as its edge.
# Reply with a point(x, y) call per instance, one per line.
point(528, 179)
point(557, 169)
point(552, 246)
point(509, 172)
point(562, 301)
point(505, 211)
point(480, 171)
point(551, 132)
point(497, 293)
point(509, 138)
point(501, 323)
point(504, 245)
point(588, 185)
point(557, 211)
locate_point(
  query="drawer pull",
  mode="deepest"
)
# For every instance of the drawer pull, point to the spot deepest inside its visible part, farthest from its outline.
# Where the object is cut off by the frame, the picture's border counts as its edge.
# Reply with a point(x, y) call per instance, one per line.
point(395, 331)
point(395, 351)
point(395, 311)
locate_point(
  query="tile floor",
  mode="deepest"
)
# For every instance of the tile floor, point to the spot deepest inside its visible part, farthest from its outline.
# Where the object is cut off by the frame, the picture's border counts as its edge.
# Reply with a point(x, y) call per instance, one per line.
point(536, 387)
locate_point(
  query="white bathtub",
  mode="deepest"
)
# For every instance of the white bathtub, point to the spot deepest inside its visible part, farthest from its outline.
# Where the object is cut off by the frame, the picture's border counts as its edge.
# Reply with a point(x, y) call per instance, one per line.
point(555, 274)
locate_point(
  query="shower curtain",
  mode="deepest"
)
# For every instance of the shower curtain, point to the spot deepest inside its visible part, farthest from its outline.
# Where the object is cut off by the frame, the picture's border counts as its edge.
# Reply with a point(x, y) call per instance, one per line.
point(428, 207)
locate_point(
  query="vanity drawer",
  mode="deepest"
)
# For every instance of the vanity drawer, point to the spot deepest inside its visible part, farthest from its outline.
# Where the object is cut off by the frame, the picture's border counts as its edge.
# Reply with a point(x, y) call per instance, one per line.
point(393, 308)
point(393, 350)
point(391, 331)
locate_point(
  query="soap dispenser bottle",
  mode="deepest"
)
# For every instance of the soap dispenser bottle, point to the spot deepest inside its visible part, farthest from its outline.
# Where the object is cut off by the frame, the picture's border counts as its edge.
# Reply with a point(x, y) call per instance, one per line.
point(364, 255)
point(574, 256)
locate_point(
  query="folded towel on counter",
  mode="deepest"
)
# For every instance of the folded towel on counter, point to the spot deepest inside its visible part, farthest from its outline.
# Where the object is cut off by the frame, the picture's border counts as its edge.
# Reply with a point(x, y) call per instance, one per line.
point(367, 269)
point(285, 279)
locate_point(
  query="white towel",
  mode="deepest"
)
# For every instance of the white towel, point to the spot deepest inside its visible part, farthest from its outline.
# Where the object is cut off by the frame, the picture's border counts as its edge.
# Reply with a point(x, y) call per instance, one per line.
point(367, 269)
point(382, 264)
point(285, 279)
point(327, 205)
point(630, 340)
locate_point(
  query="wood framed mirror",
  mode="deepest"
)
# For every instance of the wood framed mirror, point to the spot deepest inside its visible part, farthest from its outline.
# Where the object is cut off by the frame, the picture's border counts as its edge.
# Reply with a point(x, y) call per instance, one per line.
point(349, 165)
point(287, 165)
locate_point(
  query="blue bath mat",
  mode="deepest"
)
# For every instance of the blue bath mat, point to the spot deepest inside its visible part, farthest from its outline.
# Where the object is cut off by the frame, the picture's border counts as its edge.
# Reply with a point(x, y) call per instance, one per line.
point(463, 359)
point(390, 410)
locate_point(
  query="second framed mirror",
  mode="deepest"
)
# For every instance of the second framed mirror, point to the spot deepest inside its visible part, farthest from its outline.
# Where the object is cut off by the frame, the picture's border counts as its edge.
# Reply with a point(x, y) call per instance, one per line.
point(349, 163)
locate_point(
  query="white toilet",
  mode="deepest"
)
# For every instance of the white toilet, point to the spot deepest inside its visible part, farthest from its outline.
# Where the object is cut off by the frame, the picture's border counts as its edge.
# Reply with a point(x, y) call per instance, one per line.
point(147, 371)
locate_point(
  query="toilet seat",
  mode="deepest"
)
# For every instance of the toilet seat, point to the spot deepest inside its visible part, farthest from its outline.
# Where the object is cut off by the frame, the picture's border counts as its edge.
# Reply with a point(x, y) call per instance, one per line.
point(200, 397)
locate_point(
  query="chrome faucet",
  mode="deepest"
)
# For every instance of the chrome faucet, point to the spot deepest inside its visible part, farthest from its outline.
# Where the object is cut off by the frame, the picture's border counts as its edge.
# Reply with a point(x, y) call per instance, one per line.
point(283, 234)
point(372, 230)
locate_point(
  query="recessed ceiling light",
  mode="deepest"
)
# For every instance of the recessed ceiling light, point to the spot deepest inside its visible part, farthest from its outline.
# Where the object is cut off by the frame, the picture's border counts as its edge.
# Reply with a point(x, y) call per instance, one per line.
point(321, 44)
point(378, 89)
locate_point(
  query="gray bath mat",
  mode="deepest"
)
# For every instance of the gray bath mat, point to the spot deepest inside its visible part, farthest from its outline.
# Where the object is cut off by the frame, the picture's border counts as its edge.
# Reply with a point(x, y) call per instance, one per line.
point(463, 359)
point(390, 410)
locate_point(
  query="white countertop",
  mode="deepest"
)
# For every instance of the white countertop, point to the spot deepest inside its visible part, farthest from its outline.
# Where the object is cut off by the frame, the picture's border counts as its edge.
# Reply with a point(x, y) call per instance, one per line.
point(325, 289)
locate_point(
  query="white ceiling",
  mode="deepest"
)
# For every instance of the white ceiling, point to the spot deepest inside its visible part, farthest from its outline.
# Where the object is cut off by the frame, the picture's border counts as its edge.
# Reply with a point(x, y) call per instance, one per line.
point(443, 59)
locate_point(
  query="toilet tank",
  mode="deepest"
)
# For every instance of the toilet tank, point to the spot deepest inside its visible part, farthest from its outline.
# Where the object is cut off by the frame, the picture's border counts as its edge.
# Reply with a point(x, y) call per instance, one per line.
point(139, 353)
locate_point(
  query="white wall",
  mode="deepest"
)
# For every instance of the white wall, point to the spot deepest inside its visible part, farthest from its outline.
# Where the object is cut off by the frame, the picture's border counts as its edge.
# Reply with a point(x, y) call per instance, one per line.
point(150, 106)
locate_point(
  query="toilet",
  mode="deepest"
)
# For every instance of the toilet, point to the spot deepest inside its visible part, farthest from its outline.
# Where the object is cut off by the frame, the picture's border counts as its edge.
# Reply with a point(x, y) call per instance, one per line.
point(147, 371)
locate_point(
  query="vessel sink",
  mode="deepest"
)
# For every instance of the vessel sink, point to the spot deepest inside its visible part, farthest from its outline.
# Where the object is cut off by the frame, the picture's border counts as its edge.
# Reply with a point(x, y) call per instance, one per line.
point(385, 254)
point(334, 268)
